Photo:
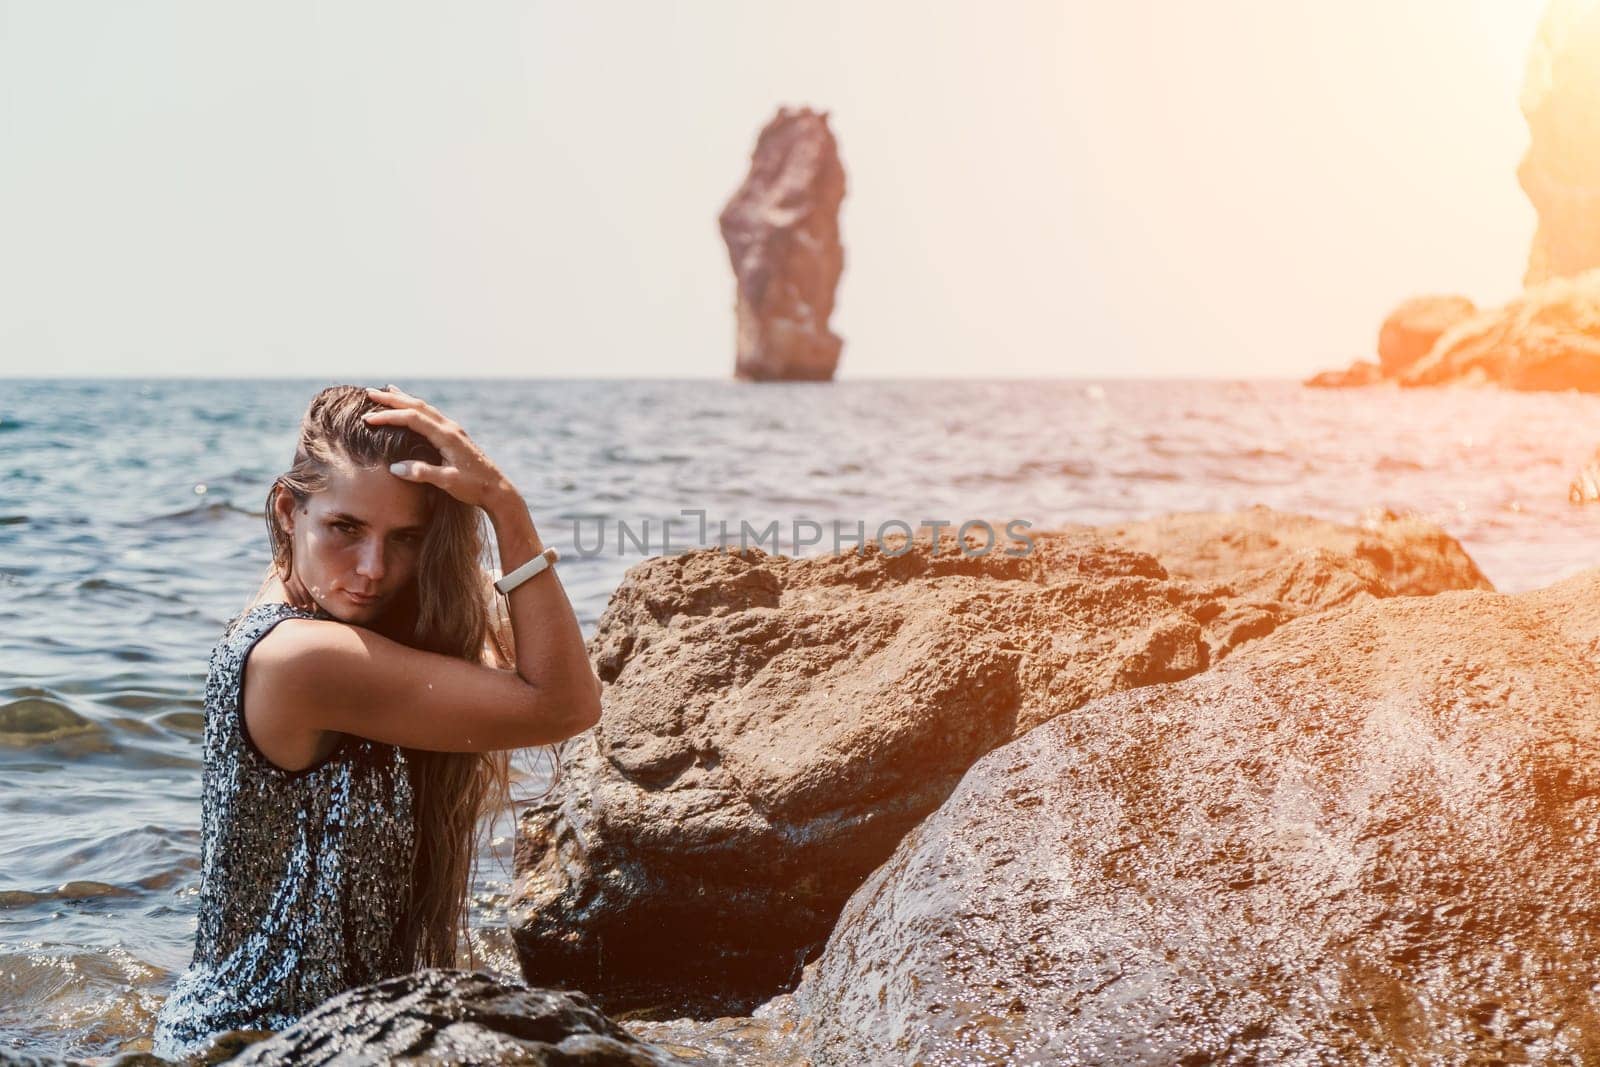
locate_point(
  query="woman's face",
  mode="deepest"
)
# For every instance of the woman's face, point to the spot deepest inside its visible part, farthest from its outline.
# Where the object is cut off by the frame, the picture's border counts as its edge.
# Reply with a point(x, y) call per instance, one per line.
point(356, 544)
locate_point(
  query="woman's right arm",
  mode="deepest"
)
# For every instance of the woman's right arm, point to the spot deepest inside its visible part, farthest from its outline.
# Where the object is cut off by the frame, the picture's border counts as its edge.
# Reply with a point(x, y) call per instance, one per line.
point(317, 674)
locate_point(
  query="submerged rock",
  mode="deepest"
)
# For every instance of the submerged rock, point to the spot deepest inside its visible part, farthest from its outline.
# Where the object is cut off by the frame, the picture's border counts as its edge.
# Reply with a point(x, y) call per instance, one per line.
point(1369, 837)
point(40, 720)
point(448, 1016)
point(782, 232)
point(774, 726)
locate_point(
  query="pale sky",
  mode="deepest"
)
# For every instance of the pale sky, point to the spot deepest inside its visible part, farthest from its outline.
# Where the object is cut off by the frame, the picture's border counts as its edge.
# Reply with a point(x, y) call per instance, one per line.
point(356, 190)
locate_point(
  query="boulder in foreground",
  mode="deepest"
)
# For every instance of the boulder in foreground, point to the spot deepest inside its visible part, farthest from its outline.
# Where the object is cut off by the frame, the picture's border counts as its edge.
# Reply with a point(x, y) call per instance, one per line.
point(446, 1016)
point(774, 726)
point(1369, 837)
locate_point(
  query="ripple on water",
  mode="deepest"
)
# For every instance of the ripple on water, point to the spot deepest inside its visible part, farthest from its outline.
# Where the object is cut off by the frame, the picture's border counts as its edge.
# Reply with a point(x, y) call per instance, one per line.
point(106, 998)
point(144, 701)
point(191, 723)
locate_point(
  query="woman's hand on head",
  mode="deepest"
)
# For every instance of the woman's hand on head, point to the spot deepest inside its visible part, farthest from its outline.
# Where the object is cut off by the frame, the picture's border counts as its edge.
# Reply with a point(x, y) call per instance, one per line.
point(466, 474)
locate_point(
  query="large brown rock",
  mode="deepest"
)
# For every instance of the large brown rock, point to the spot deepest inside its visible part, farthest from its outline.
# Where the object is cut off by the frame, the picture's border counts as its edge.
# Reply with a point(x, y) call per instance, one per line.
point(1546, 339)
point(1367, 838)
point(782, 232)
point(1560, 171)
point(1411, 329)
point(774, 726)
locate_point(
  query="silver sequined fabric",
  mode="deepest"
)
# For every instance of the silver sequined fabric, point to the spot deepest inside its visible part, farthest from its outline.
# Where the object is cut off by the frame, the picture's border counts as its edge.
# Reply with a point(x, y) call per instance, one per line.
point(303, 875)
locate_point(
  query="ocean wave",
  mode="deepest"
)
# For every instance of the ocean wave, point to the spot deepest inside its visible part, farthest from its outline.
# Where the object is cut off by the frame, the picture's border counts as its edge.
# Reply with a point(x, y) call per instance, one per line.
point(211, 511)
point(96, 585)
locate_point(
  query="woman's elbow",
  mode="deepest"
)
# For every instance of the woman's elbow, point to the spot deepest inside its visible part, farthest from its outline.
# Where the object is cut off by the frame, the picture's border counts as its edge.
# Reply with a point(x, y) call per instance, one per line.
point(587, 707)
point(580, 707)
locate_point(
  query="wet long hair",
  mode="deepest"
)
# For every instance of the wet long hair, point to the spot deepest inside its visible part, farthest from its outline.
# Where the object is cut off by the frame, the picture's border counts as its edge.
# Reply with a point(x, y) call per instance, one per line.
point(451, 609)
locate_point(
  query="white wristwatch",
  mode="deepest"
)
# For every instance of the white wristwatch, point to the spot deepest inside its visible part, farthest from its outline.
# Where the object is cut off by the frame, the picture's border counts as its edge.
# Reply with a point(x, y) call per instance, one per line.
point(538, 563)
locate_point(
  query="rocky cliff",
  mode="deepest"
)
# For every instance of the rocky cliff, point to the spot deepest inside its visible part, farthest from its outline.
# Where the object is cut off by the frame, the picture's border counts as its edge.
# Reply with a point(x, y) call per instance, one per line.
point(1560, 171)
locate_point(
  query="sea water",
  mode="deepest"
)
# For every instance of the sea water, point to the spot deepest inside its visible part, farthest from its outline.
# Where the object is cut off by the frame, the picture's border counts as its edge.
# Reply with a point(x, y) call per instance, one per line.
point(131, 530)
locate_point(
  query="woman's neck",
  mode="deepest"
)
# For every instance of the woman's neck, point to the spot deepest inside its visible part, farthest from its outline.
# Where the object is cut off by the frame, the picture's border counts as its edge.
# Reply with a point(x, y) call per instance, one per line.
point(276, 592)
point(391, 624)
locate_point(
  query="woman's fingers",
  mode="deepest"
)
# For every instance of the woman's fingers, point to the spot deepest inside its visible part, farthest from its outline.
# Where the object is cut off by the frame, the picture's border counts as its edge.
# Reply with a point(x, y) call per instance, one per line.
point(436, 428)
point(401, 399)
point(390, 394)
point(466, 474)
point(413, 470)
point(466, 486)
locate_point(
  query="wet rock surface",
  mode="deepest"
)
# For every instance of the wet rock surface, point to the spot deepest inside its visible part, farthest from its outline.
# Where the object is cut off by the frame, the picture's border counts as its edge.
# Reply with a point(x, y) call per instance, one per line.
point(445, 1016)
point(782, 232)
point(1369, 837)
point(774, 726)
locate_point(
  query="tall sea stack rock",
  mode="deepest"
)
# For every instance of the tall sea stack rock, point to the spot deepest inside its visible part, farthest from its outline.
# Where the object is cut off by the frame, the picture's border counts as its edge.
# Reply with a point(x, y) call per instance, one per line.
point(782, 231)
point(1561, 170)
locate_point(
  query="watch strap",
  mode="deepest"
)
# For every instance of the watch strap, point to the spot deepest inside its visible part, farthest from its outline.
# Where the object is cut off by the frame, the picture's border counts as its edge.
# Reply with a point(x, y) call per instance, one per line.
point(538, 563)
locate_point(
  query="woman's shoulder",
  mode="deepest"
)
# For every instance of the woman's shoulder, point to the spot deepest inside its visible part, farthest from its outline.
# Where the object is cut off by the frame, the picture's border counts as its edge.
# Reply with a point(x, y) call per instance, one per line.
point(253, 623)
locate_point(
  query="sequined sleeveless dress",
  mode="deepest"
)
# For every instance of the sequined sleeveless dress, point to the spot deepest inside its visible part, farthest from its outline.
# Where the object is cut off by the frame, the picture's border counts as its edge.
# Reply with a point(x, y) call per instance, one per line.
point(303, 874)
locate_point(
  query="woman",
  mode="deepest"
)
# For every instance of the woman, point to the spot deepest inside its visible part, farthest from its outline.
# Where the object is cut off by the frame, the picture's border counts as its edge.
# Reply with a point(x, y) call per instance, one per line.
point(346, 771)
